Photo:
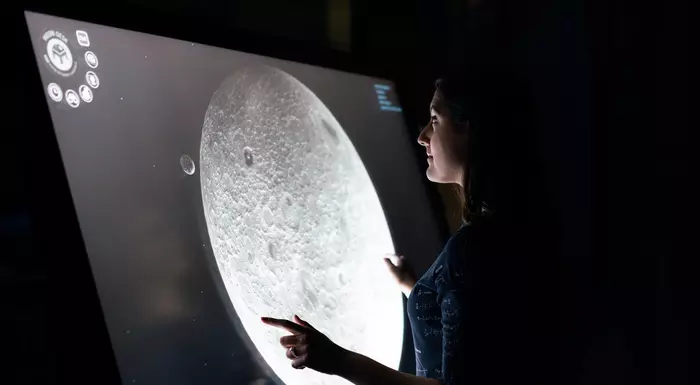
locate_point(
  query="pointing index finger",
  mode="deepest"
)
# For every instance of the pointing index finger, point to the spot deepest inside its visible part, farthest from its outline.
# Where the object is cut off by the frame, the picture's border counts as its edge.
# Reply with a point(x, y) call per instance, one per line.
point(284, 324)
point(390, 264)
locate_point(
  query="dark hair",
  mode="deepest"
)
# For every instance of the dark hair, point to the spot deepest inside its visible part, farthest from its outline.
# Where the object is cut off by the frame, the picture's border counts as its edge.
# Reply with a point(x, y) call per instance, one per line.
point(500, 176)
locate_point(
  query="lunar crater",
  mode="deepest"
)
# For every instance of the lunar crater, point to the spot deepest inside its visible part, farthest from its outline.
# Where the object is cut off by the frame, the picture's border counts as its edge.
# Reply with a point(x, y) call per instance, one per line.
point(248, 156)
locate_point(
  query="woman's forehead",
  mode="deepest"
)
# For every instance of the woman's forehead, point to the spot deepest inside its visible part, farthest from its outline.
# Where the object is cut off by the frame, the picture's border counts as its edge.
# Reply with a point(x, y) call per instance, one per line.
point(437, 103)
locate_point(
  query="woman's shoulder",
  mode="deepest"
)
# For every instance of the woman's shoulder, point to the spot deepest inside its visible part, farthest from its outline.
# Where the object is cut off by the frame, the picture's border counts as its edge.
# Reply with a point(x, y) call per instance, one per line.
point(475, 244)
point(495, 249)
point(459, 253)
point(465, 240)
point(484, 236)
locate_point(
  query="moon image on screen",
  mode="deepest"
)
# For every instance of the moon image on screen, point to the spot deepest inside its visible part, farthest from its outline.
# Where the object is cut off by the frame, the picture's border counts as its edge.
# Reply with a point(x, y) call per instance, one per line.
point(295, 224)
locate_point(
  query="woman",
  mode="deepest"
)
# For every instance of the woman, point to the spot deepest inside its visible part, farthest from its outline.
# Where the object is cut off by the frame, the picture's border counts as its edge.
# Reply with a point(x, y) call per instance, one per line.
point(477, 140)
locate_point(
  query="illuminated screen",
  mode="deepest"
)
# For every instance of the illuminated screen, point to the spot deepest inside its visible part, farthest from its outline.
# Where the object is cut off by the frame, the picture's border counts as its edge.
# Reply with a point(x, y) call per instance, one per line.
point(214, 187)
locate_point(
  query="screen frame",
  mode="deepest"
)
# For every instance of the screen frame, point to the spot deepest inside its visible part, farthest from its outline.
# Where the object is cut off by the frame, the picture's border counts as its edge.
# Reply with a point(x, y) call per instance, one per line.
point(86, 354)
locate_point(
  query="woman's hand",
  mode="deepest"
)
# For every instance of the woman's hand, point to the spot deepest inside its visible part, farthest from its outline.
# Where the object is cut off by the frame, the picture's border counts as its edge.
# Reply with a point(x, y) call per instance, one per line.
point(307, 347)
point(402, 273)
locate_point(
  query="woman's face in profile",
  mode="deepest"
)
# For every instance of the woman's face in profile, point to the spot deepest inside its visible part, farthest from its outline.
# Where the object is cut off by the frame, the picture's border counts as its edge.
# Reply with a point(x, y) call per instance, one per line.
point(442, 142)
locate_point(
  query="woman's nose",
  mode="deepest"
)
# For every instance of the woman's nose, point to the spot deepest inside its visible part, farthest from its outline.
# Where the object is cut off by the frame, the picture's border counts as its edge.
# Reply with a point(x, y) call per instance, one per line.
point(422, 137)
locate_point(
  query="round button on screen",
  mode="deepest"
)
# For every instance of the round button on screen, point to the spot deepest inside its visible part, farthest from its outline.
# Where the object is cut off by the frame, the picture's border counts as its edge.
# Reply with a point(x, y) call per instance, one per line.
point(91, 59)
point(92, 79)
point(55, 92)
point(59, 54)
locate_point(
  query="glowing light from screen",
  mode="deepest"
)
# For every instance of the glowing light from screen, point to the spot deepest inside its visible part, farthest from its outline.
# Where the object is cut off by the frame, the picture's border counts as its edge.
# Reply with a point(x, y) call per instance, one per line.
point(294, 221)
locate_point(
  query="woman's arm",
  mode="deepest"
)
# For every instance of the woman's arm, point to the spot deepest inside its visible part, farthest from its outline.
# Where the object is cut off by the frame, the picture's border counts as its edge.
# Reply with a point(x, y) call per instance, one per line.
point(362, 370)
point(307, 347)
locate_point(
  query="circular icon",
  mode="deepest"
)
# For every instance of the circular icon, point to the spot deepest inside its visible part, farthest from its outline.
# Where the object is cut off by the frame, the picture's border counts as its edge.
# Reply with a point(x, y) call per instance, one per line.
point(91, 59)
point(55, 92)
point(59, 54)
point(85, 93)
point(92, 79)
point(72, 98)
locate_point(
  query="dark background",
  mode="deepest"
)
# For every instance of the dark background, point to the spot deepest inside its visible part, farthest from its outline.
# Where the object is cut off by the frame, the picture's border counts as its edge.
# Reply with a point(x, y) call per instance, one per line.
point(608, 81)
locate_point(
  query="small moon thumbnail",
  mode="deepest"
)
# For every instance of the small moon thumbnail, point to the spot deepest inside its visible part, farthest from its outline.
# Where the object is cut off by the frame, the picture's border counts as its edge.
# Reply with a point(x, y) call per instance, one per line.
point(187, 164)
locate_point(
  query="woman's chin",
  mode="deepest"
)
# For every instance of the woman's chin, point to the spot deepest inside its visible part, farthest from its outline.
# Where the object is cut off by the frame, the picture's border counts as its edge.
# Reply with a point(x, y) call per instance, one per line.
point(431, 175)
point(434, 177)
